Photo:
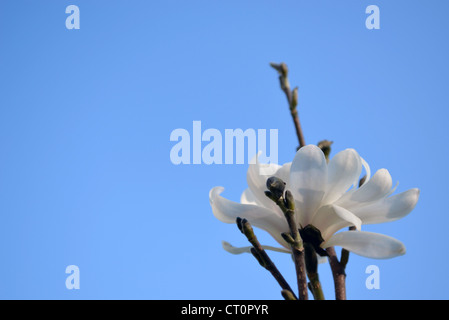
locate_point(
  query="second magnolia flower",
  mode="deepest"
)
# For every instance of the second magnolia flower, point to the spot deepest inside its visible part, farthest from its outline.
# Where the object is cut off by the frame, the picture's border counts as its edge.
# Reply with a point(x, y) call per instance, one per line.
point(324, 199)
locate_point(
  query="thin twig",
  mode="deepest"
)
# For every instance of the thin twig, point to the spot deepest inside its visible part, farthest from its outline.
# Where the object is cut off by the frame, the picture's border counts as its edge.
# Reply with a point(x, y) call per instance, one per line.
point(260, 254)
point(292, 99)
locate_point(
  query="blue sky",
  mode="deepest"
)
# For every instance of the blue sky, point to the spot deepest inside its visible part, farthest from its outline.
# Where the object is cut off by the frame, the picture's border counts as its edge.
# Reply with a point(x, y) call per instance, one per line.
point(86, 117)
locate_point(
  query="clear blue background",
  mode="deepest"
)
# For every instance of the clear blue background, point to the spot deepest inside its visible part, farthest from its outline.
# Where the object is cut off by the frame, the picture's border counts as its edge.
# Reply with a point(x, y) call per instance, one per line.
point(86, 116)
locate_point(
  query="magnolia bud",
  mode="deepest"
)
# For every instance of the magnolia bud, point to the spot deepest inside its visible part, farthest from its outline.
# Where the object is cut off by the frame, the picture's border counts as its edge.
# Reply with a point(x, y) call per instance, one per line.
point(325, 146)
point(280, 67)
point(288, 237)
point(276, 187)
point(294, 98)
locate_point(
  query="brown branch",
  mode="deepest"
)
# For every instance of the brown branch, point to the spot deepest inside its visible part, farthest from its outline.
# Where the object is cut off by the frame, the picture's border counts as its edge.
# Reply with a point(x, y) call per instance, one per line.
point(292, 99)
point(338, 273)
point(262, 257)
point(287, 204)
point(297, 246)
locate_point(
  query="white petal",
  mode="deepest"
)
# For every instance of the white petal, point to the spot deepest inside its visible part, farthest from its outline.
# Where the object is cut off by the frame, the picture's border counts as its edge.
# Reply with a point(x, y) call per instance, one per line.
point(239, 250)
point(284, 173)
point(308, 179)
point(348, 216)
point(388, 209)
point(367, 169)
point(376, 188)
point(235, 250)
point(329, 219)
point(343, 171)
point(257, 182)
point(367, 244)
point(392, 190)
point(227, 211)
point(248, 197)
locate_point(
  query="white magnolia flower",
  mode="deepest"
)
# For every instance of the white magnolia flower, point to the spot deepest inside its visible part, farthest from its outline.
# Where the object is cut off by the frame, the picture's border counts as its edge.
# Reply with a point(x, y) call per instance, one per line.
point(324, 198)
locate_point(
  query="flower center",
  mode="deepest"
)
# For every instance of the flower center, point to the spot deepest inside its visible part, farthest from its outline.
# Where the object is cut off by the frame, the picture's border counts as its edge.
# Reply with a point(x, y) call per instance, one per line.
point(312, 235)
